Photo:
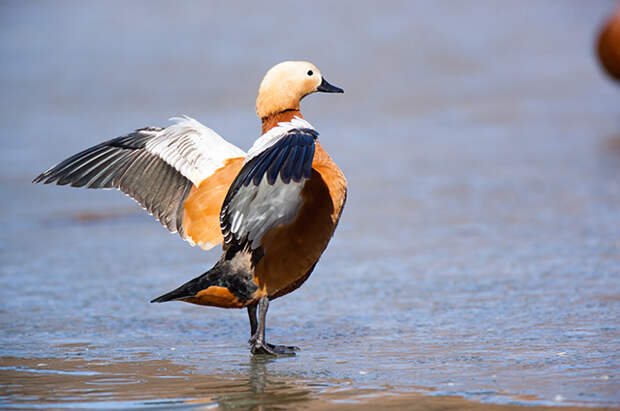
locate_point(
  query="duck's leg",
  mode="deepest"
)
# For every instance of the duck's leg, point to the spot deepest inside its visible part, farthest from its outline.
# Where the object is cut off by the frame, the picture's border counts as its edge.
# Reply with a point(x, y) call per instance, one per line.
point(253, 323)
point(257, 328)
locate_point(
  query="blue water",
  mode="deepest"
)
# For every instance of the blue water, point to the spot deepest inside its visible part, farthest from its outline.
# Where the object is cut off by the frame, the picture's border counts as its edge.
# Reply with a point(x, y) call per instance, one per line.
point(478, 254)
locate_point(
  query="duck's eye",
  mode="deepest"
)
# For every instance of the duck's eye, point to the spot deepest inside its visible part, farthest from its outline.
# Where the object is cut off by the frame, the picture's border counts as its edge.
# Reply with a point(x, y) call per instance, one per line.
point(310, 72)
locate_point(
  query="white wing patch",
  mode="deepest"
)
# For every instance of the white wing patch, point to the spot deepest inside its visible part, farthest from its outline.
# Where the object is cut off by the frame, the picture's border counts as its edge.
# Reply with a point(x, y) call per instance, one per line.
point(191, 148)
point(272, 136)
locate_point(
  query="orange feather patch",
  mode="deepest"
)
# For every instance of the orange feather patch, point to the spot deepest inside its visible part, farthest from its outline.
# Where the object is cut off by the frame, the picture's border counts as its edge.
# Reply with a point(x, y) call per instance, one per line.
point(201, 217)
point(217, 297)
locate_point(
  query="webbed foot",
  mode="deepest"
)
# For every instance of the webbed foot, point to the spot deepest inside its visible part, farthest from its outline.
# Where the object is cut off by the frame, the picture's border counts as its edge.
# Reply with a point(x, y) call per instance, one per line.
point(271, 349)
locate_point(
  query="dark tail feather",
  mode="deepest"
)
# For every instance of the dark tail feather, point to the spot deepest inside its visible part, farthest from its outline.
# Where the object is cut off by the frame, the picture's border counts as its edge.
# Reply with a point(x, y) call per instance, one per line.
point(177, 294)
point(187, 290)
point(193, 287)
point(234, 274)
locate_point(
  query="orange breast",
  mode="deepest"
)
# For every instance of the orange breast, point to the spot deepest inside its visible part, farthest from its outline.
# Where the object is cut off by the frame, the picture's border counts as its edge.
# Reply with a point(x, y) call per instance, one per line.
point(292, 250)
point(201, 217)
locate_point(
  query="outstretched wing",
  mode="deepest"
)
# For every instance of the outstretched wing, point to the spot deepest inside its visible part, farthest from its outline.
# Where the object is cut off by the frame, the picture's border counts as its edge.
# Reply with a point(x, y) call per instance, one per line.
point(266, 192)
point(157, 167)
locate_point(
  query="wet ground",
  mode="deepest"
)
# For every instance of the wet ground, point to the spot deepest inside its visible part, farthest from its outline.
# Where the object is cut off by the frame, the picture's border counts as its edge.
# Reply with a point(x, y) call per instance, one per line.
point(477, 262)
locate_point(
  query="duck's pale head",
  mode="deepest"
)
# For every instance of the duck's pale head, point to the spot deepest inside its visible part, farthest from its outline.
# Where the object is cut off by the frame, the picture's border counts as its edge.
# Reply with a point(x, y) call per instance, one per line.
point(285, 84)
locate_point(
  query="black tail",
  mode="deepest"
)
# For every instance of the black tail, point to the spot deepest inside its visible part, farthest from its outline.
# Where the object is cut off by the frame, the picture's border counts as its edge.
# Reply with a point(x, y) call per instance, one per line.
point(178, 294)
point(234, 273)
point(231, 274)
point(191, 288)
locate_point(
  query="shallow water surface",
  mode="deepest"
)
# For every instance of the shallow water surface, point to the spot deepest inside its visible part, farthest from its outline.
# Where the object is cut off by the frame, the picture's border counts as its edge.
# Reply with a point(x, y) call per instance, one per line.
point(477, 261)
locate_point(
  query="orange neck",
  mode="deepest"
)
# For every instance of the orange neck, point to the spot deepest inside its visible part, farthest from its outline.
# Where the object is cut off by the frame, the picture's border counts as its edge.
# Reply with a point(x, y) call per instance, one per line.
point(271, 121)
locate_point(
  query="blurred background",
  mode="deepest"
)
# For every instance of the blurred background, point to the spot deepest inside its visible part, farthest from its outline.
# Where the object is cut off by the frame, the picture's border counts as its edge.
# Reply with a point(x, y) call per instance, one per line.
point(478, 254)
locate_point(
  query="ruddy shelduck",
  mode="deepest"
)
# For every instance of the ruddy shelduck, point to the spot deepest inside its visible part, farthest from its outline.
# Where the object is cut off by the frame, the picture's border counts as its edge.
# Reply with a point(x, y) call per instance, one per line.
point(608, 46)
point(274, 208)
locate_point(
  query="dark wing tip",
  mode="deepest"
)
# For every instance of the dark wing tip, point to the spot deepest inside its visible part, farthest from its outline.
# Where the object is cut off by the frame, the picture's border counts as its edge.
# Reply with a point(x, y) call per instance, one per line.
point(47, 174)
point(46, 179)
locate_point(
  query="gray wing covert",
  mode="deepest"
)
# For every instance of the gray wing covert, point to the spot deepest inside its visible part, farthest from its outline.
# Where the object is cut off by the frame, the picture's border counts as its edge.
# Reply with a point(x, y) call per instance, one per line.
point(266, 192)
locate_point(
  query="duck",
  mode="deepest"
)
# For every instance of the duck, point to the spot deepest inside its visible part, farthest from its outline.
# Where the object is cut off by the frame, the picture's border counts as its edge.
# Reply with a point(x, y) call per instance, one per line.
point(273, 209)
point(608, 46)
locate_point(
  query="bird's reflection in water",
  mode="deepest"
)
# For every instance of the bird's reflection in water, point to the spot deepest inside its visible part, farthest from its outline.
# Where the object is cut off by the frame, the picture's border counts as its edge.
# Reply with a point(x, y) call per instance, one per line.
point(257, 390)
point(257, 381)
